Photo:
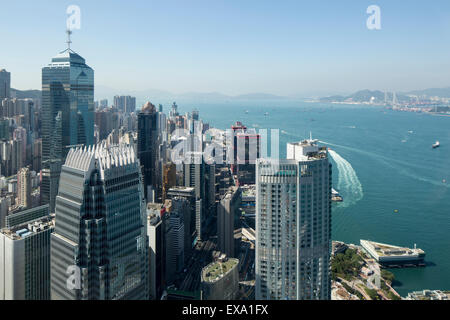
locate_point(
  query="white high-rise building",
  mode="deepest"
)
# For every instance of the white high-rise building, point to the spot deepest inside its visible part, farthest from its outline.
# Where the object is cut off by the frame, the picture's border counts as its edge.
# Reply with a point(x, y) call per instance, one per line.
point(24, 187)
point(25, 257)
point(293, 225)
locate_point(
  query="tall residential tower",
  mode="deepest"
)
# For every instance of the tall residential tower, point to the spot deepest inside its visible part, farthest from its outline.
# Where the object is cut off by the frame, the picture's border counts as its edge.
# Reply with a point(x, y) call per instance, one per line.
point(293, 225)
point(147, 148)
point(5, 84)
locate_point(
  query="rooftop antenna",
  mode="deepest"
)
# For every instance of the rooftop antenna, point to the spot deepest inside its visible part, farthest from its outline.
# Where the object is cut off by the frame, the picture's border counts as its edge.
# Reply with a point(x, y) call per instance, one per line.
point(69, 33)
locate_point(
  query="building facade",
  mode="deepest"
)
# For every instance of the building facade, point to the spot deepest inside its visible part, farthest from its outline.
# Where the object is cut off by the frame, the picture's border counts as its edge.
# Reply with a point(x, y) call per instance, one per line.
point(25, 260)
point(100, 231)
point(227, 210)
point(220, 279)
point(24, 188)
point(293, 225)
point(5, 84)
point(174, 245)
point(67, 115)
point(157, 255)
point(126, 104)
point(147, 148)
point(194, 177)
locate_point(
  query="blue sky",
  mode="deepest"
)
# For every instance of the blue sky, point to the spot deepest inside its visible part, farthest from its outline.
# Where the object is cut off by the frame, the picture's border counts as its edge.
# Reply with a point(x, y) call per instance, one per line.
point(234, 47)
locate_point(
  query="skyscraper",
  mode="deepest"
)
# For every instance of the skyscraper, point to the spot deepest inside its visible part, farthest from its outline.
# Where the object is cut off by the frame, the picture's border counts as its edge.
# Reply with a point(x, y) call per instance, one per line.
point(182, 207)
point(157, 255)
point(5, 84)
point(67, 115)
point(100, 229)
point(246, 149)
point(188, 194)
point(174, 244)
point(194, 173)
point(227, 210)
point(126, 104)
point(24, 187)
point(169, 178)
point(194, 177)
point(174, 111)
point(147, 147)
point(293, 225)
point(25, 258)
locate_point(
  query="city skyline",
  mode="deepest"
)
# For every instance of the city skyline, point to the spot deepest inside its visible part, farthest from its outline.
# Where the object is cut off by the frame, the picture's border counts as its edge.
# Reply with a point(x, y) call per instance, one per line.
point(294, 49)
point(108, 193)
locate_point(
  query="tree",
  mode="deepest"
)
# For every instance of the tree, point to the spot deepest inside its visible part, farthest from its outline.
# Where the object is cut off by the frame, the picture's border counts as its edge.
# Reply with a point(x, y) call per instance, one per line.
point(372, 294)
point(387, 275)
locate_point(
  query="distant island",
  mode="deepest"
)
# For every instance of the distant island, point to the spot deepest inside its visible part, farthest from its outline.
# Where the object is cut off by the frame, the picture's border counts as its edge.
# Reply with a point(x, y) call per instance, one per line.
point(143, 95)
point(427, 97)
point(26, 94)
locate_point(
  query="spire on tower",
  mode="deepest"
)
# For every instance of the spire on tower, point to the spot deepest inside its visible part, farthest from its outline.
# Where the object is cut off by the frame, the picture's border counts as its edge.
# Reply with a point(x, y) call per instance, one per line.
point(69, 41)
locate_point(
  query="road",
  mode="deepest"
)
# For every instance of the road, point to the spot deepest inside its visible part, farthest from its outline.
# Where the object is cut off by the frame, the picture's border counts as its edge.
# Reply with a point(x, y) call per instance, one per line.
point(201, 257)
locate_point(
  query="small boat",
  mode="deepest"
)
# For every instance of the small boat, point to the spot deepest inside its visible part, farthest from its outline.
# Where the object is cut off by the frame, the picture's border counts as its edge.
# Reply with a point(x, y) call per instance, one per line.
point(246, 111)
point(266, 114)
point(335, 196)
point(436, 145)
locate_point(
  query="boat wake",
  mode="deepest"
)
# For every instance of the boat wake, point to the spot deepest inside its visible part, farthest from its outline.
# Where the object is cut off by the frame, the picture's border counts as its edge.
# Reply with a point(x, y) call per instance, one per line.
point(348, 183)
point(400, 166)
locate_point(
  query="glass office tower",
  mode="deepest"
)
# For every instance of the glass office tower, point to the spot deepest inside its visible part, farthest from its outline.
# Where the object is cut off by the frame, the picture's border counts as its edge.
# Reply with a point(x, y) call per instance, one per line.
point(147, 148)
point(100, 227)
point(67, 115)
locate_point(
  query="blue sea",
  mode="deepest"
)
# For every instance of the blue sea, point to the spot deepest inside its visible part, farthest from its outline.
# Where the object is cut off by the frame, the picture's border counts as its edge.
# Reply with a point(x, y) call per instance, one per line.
point(396, 187)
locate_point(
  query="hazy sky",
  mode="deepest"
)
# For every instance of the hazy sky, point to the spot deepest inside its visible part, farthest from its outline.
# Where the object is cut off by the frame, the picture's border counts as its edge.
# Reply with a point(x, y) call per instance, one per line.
point(234, 47)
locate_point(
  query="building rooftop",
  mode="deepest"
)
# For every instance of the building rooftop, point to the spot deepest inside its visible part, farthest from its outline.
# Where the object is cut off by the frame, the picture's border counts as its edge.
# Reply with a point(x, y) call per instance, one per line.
point(429, 295)
point(82, 158)
point(306, 150)
point(217, 270)
point(67, 58)
point(248, 191)
point(148, 107)
point(182, 189)
point(230, 192)
point(29, 228)
point(154, 206)
point(377, 249)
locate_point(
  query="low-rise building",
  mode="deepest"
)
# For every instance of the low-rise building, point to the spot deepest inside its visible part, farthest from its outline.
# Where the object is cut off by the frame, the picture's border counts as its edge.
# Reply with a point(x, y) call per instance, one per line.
point(220, 279)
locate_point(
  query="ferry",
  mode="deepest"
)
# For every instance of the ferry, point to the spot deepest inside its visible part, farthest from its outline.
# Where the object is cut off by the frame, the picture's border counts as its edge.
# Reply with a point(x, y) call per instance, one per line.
point(335, 196)
point(436, 145)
